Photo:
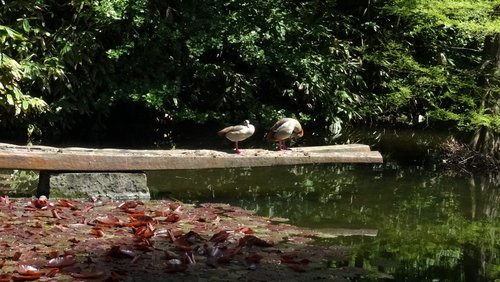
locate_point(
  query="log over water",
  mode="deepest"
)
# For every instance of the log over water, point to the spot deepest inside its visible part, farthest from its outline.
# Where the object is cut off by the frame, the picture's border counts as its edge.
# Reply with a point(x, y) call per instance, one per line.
point(88, 159)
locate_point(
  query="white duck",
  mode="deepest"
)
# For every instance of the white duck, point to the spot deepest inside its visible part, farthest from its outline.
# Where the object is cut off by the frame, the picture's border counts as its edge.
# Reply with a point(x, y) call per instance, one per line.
point(285, 128)
point(237, 133)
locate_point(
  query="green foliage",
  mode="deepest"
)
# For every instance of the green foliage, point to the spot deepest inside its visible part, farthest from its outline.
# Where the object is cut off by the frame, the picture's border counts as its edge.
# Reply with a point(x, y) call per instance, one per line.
point(326, 62)
point(13, 72)
point(22, 182)
point(430, 62)
point(467, 16)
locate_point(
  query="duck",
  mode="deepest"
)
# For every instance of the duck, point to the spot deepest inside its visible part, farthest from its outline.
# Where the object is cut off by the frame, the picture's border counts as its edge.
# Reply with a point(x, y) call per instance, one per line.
point(237, 133)
point(285, 128)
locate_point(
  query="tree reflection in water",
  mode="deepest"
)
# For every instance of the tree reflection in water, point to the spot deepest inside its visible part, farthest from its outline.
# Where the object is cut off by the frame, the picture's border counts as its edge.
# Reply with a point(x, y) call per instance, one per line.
point(430, 226)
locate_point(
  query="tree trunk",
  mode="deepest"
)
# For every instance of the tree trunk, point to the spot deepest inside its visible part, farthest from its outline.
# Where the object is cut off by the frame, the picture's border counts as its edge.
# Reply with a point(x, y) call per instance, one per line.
point(487, 140)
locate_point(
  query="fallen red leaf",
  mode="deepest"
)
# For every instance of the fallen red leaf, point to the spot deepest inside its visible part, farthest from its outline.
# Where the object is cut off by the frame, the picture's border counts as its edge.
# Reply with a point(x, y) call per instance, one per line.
point(136, 223)
point(52, 272)
point(163, 212)
point(177, 207)
point(129, 205)
point(109, 220)
point(96, 231)
point(172, 217)
point(55, 213)
point(41, 203)
point(4, 200)
point(219, 237)
point(16, 256)
point(30, 270)
point(66, 203)
point(20, 277)
point(87, 209)
point(61, 261)
point(146, 231)
point(6, 277)
point(246, 230)
point(141, 218)
point(52, 254)
point(136, 215)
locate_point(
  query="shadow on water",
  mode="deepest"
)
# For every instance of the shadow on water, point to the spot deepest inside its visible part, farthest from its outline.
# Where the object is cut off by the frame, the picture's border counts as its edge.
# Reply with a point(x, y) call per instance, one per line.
point(430, 226)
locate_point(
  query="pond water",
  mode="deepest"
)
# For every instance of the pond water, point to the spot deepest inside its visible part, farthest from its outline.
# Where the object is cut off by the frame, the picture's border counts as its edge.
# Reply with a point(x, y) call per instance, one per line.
point(429, 226)
point(423, 224)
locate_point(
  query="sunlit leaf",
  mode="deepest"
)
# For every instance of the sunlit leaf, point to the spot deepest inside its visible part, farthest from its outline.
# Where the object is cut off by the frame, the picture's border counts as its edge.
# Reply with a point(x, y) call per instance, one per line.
point(66, 203)
point(98, 232)
point(176, 265)
point(25, 269)
point(121, 252)
point(61, 261)
point(129, 205)
point(108, 220)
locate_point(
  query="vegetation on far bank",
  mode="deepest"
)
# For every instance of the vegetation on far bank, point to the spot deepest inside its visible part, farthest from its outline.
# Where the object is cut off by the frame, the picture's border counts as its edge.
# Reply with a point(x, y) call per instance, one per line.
point(84, 70)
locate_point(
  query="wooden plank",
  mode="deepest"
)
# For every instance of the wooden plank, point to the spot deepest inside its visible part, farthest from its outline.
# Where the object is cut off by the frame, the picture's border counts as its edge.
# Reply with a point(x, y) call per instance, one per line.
point(344, 232)
point(87, 159)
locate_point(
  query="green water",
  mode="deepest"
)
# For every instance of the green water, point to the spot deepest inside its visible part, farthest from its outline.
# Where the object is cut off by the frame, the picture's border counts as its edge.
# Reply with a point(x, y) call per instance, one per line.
point(429, 226)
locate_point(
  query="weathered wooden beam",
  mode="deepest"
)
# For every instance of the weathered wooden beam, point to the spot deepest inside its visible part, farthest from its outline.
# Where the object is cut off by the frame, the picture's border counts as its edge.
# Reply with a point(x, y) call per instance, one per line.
point(87, 159)
point(343, 232)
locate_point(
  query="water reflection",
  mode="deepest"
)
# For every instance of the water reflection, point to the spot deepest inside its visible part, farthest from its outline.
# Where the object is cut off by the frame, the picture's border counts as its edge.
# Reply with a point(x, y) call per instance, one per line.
point(430, 226)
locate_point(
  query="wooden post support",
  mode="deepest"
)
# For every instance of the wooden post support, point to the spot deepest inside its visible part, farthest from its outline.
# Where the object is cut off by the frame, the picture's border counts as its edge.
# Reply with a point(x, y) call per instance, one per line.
point(43, 188)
